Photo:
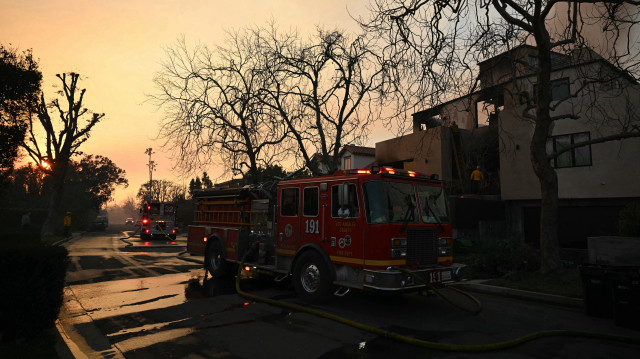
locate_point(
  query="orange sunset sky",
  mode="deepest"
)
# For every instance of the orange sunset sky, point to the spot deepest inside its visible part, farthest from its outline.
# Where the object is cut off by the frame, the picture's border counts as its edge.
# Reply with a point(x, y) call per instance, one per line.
point(117, 45)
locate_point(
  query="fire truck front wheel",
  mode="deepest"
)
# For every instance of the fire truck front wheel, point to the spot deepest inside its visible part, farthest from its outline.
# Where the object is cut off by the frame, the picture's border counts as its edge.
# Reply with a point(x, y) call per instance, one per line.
point(311, 278)
point(214, 260)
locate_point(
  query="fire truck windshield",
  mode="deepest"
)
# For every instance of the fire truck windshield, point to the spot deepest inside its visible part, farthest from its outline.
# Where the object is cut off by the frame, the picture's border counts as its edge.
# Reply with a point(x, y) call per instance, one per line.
point(155, 208)
point(390, 202)
point(433, 204)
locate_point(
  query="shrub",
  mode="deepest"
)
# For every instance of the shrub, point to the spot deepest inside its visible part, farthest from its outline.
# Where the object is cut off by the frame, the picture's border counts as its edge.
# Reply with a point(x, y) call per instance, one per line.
point(629, 222)
point(32, 285)
point(504, 258)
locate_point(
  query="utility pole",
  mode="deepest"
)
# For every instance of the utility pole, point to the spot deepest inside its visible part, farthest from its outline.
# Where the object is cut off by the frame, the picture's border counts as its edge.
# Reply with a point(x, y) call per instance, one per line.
point(152, 167)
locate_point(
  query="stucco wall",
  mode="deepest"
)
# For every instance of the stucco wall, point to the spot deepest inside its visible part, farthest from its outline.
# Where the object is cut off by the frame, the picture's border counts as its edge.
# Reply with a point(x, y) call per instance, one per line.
point(615, 168)
point(424, 147)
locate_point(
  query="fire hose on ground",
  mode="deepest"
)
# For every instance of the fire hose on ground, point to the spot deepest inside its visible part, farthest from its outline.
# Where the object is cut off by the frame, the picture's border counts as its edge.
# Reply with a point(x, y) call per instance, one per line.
point(428, 344)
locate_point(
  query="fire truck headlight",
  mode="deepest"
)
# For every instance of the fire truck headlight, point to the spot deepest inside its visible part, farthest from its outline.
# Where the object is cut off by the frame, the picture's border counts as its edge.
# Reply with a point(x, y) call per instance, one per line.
point(444, 251)
point(445, 241)
point(398, 242)
point(398, 248)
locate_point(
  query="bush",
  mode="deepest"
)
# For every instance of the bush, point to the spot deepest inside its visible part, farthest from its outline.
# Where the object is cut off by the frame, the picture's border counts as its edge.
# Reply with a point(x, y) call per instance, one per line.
point(629, 223)
point(32, 285)
point(504, 258)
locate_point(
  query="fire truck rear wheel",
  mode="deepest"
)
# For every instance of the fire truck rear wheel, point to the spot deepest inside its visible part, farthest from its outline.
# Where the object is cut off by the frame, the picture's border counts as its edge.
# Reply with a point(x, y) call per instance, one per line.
point(214, 261)
point(311, 278)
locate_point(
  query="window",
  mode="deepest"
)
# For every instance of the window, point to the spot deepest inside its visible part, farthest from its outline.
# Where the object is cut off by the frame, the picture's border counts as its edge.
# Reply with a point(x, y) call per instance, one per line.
point(488, 108)
point(577, 157)
point(310, 202)
point(354, 209)
point(559, 90)
point(289, 202)
point(347, 163)
point(390, 202)
point(433, 203)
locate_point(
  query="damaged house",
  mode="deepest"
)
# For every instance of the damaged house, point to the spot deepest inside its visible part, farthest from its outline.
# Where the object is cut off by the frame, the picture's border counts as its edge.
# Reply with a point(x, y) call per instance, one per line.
point(591, 100)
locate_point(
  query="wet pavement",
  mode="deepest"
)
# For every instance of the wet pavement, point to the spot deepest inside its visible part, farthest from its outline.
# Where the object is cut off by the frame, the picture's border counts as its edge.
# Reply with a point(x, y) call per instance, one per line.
point(173, 316)
point(179, 314)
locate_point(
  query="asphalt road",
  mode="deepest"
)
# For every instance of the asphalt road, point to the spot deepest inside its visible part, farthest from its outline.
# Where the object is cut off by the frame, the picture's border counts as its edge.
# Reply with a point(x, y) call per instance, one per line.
point(129, 299)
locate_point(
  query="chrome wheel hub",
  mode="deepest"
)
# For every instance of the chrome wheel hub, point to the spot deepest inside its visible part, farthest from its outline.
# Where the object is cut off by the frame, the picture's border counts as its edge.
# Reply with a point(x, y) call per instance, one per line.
point(310, 278)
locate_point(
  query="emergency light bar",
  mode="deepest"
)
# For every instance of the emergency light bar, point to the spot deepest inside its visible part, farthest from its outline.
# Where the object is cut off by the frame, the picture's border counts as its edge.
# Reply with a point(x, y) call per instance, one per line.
point(385, 171)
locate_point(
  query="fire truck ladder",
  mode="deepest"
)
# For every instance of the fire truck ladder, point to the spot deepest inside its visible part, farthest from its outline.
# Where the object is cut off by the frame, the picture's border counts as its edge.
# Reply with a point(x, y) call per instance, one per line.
point(226, 217)
point(458, 156)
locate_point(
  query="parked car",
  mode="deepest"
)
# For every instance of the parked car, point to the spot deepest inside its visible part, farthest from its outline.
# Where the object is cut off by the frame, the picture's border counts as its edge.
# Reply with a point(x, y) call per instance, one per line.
point(100, 223)
point(129, 221)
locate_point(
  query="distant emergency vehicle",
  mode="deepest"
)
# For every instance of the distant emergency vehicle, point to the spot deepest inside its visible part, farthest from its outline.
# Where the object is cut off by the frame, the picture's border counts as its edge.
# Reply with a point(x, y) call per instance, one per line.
point(158, 220)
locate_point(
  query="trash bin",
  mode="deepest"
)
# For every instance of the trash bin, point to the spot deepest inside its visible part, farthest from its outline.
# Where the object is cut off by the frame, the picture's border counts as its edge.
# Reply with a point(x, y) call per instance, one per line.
point(626, 297)
point(598, 296)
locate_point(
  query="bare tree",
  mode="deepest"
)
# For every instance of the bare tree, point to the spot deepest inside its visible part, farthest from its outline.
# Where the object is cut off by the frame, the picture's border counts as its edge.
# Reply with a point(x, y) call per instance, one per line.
point(162, 191)
point(60, 144)
point(212, 106)
point(434, 46)
point(324, 89)
point(130, 207)
point(266, 93)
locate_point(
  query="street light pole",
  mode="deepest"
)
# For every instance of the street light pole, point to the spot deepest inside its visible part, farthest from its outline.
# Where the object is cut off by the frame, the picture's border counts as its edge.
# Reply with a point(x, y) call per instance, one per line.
point(152, 167)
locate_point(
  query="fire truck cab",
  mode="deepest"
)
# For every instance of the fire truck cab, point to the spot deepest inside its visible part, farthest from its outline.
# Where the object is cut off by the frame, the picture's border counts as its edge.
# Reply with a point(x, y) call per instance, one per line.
point(352, 229)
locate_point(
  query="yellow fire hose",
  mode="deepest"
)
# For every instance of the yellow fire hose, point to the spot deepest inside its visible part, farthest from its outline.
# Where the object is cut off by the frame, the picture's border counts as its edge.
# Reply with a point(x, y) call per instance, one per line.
point(434, 345)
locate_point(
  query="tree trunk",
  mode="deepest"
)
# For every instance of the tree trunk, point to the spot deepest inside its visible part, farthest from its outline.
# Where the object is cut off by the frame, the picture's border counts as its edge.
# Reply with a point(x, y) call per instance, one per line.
point(49, 225)
point(57, 187)
point(549, 246)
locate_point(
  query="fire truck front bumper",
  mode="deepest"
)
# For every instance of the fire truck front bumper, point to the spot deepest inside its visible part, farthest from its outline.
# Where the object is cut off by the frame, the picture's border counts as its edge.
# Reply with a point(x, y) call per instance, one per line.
point(396, 280)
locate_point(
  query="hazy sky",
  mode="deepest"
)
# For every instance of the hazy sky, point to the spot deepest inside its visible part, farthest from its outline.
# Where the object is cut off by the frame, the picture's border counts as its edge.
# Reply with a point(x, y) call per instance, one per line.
point(117, 45)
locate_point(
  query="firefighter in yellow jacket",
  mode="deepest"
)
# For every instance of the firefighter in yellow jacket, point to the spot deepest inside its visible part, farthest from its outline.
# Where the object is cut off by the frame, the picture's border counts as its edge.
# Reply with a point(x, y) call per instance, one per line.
point(67, 224)
point(476, 178)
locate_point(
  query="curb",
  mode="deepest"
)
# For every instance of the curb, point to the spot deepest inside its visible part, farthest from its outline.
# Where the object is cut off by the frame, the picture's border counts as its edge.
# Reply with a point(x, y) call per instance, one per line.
point(67, 239)
point(88, 342)
point(64, 344)
point(479, 287)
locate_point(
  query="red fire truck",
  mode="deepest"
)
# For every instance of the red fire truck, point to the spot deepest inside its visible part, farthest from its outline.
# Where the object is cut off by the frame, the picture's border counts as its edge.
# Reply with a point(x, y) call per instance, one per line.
point(158, 220)
point(352, 229)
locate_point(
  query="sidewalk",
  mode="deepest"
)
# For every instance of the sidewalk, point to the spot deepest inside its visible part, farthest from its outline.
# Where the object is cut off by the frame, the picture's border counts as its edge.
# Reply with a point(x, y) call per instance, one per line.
point(478, 286)
point(87, 342)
